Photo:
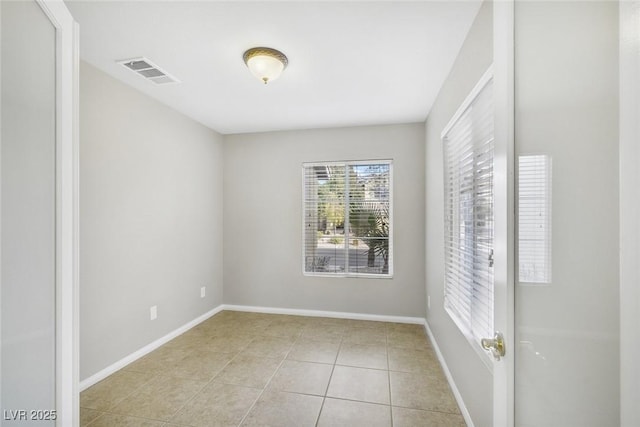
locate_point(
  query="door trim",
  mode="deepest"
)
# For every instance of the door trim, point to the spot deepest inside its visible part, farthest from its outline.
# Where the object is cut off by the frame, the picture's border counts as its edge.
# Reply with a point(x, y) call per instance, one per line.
point(67, 224)
point(629, 91)
point(504, 208)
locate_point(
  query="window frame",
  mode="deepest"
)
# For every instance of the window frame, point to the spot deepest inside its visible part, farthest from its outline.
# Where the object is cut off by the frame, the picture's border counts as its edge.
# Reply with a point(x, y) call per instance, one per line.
point(466, 328)
point(346, 273)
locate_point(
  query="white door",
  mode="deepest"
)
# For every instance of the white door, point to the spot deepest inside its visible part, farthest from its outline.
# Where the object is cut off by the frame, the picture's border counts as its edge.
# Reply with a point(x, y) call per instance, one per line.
point(557, 227)
point(38, 359)
point(567, 356)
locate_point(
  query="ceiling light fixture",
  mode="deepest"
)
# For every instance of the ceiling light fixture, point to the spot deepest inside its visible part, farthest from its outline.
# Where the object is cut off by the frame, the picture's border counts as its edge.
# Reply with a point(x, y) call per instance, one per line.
point(265, 63)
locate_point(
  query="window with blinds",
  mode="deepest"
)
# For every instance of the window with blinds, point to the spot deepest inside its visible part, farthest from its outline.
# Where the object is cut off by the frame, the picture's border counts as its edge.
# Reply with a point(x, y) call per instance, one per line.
point(534, 218)
point(347, 219)
point(468, 149)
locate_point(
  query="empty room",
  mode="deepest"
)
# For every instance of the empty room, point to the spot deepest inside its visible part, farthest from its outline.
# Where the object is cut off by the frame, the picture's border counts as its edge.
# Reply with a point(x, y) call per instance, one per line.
point(320, 213)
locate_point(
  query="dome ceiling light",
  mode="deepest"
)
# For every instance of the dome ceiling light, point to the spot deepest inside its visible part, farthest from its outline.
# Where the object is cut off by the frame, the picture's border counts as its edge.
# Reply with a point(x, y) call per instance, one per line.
point(265, 63)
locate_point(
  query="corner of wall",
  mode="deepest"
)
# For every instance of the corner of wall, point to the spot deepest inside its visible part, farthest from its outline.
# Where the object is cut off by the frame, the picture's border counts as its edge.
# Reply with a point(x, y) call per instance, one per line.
point(151, 194)
point(466, 372)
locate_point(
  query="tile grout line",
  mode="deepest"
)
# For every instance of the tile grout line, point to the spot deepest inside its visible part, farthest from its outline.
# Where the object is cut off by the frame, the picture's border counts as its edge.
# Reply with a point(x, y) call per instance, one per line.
point(386, 337)
point(153, 376)
point(204, 386)
point(126, 416)
point(269, 381)
point(261, 393)
point(213, 379)
point(333, 367)
point(367, 402)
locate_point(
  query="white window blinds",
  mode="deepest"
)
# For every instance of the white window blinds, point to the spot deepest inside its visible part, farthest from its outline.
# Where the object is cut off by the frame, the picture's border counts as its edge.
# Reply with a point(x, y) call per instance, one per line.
point(347, 218)
point(534, 218)
point(468, 185)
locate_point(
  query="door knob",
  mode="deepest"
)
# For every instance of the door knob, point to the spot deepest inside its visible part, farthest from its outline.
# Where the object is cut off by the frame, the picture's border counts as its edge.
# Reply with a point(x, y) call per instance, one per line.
point(494, 345)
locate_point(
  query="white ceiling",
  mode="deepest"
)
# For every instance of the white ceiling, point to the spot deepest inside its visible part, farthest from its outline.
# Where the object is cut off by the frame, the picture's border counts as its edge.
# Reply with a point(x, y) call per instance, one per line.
point(350, 63)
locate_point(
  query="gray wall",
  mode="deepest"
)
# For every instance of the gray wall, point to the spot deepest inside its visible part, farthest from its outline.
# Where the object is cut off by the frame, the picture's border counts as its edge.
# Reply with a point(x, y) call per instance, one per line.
point(150, 220)
point(472, 378)
point(263, 220)
point(27, 377)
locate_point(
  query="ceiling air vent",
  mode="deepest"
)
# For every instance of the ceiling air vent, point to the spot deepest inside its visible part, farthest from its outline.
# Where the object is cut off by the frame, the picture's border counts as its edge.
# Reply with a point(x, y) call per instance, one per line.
point(148, 70)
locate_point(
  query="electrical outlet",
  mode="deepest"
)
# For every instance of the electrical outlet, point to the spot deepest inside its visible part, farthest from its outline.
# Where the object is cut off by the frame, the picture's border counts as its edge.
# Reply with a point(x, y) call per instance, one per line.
point(153, 312)
point(203, 291)
point(428, 301)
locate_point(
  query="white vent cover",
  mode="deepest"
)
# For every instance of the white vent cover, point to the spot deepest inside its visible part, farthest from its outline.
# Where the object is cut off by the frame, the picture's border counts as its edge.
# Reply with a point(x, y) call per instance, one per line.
point(148, 70)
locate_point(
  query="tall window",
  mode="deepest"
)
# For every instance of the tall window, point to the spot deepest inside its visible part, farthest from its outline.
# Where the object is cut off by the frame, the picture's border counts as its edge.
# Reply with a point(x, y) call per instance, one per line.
point(347, 219)
point(468, 184)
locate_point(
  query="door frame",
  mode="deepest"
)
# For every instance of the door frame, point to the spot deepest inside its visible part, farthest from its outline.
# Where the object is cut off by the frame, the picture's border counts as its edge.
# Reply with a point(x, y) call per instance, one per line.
point(67, 224)
point(629, 91)
point(504, 209)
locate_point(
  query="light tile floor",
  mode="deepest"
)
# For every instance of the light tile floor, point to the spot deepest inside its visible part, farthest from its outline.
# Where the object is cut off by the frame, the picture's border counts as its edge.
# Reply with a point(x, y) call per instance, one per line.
point(255, 369)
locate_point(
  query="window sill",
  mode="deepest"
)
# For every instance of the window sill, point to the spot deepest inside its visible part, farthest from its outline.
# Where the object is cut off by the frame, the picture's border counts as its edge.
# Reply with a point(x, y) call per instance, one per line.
point(348, 276)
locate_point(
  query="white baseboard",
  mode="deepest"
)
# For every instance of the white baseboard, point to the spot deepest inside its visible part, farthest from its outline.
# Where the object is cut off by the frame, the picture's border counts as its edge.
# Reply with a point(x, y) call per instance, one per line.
point(88, 382)
point(319, 313)
point(84, 384)
point(447, 373)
